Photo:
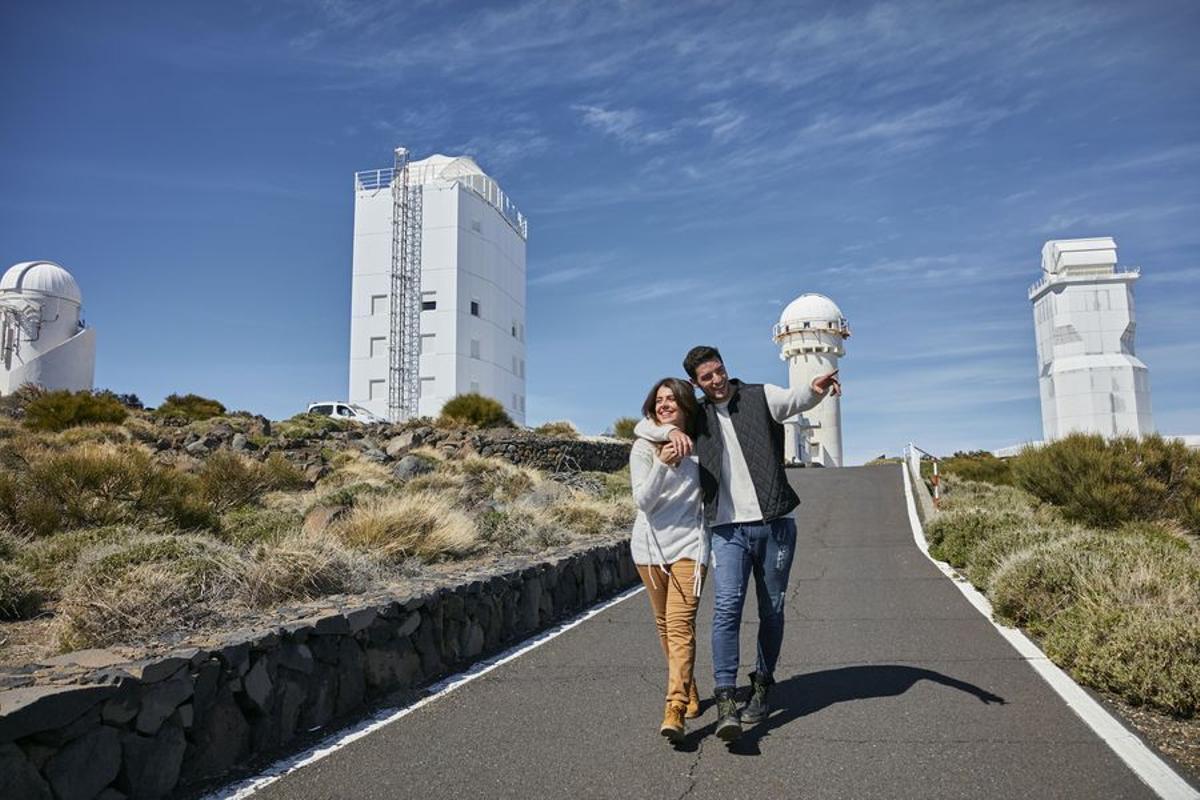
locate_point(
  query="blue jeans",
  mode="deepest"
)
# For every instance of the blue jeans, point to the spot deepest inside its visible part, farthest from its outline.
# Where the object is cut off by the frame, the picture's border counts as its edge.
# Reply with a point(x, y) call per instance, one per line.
point(766, 549)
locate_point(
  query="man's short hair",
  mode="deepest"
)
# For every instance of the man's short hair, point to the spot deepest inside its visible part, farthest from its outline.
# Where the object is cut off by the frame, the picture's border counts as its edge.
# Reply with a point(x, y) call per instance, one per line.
point(699, 355)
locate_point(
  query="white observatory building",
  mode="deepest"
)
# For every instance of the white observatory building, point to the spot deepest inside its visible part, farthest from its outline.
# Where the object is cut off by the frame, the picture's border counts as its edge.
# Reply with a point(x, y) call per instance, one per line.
point(1089, 377)
point(438, 296)
point(42, 336)
point(811, 335)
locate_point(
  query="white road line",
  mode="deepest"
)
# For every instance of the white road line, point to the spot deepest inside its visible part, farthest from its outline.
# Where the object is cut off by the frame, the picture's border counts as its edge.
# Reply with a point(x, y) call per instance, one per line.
point(337, 741)
point(1145, 763)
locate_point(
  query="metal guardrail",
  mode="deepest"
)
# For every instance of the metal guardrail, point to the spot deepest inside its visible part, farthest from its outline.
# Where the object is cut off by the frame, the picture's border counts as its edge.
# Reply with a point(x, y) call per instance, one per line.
point(370, 180)
point(912, 454)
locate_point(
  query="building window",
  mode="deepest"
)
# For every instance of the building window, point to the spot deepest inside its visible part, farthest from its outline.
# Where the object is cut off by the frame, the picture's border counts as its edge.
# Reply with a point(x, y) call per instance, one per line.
point(474, 387)
point(474, 348)
point(427, 342)
point(521, 374)
point(514, 365)
point(476, 226)
point(514, 329)
point(429, 305)
point(379, 304)
point(378, 346)
point(377, 390)
point(474, 308)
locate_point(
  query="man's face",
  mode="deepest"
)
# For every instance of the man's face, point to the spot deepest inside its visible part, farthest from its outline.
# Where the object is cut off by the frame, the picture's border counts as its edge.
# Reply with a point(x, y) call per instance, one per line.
point(712, 380)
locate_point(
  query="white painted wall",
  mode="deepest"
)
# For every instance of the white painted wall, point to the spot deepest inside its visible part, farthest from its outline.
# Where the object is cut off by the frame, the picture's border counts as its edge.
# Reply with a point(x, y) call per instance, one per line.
point(1089, 377)
point(470, 253)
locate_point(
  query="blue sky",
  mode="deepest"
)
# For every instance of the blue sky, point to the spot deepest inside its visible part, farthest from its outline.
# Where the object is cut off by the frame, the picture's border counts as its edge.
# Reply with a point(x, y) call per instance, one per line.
point(687, 168)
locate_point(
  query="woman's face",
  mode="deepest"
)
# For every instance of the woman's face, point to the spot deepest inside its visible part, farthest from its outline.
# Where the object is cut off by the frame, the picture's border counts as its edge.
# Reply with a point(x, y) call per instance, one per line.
point(666, 408)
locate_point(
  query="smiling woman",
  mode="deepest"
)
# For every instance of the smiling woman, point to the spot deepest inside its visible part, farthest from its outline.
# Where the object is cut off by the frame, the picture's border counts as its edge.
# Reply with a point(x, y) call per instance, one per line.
point(669, 543)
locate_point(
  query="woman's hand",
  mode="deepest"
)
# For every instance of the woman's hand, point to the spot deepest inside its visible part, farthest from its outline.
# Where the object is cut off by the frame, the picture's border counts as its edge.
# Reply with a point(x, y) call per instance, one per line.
point(669, 455)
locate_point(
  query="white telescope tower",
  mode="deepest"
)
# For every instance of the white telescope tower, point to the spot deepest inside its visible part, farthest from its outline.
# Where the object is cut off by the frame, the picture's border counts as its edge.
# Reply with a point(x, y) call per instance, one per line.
point(43, 340)
point(811, 335)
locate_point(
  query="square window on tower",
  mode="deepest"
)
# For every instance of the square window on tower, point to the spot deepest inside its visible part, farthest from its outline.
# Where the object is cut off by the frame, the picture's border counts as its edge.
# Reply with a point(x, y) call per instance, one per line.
point(474, 308)
point(379, 304)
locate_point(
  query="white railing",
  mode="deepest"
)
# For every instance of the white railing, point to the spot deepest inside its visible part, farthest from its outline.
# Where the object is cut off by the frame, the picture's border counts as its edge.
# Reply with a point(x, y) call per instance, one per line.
point(1080, 277)
point(375, 179)
point(912, 455)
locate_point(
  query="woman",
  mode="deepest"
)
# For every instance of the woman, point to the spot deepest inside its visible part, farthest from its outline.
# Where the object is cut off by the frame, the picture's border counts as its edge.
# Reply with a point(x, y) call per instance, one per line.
point(670, 544)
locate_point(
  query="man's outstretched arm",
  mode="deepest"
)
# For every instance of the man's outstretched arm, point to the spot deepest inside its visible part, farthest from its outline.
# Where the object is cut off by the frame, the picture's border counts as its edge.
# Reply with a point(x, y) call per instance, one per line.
point(786, 403)
point(652, 431)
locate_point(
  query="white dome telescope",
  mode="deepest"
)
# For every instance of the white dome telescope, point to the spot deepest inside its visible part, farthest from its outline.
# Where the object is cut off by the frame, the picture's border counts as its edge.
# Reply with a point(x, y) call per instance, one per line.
point(811, 335)
point(42, 337)
point(41, 278)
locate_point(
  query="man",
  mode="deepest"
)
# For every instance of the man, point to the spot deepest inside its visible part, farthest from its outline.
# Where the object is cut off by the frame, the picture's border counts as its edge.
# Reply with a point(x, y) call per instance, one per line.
point(748, 505)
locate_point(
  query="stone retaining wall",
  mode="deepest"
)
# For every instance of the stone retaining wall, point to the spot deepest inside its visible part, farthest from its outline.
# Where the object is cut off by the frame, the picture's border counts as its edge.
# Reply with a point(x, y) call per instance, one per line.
point(151, 728)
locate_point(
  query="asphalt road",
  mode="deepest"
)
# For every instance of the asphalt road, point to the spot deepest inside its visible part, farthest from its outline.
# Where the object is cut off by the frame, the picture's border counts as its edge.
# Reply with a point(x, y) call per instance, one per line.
point(890, 685)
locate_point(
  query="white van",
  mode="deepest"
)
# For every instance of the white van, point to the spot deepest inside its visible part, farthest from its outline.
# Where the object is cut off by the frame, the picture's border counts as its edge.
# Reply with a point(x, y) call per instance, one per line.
point(346, 411)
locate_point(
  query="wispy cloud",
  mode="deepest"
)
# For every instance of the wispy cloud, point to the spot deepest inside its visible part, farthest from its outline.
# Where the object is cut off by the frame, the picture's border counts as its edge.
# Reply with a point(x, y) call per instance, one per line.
point(626, 125)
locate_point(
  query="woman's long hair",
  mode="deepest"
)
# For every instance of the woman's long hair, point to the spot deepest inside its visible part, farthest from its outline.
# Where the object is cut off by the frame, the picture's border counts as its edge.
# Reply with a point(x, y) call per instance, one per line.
point(685, 398)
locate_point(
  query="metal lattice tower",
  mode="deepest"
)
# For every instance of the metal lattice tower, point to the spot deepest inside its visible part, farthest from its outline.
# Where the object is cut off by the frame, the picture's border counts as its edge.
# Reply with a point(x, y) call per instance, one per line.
point(404, 306)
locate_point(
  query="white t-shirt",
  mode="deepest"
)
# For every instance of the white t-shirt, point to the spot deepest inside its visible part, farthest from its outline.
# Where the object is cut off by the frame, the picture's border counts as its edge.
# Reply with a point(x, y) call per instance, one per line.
point(736, 499)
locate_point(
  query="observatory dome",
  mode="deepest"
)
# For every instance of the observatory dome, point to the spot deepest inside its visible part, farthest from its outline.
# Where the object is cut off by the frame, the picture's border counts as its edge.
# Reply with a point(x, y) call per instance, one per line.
point(41, 277)
point(811, 308)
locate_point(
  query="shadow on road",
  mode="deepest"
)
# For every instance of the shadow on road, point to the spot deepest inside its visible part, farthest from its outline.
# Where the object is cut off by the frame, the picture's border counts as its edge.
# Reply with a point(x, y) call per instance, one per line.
point(813, 691)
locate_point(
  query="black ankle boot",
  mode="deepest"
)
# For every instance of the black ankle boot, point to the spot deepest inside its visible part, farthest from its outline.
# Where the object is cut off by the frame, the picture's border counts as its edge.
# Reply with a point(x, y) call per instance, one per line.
point(729, 722)
point(758, 708)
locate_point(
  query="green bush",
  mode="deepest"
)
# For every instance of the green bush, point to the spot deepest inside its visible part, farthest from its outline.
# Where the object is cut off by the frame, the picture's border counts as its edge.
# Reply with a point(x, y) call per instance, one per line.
point(20, 595)
point(1138, 652)
point(252, 526)
point(561, 429)
point(188, 406)
point(475, 410)
point(623, 428)
point(989, 553)
point(52, 559)
point(57, 411)
point(979, 465)
point(953, 535)
point(1106, 483)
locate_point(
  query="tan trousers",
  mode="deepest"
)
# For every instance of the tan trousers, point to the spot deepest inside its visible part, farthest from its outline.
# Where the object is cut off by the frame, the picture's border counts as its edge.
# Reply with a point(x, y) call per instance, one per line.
point(674, 608)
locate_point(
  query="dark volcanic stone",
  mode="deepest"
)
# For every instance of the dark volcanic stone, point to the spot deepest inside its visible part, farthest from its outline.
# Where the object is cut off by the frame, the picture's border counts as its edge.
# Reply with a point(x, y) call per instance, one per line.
point(19, 778)
point(257, 685)
point(220, 741)
point(161, 700)
point(30, 709)
point(81, 769)
point(351, 677)
point(151, 764)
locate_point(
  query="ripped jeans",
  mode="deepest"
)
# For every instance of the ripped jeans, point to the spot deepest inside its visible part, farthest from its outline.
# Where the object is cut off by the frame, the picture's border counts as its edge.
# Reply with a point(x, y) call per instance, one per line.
point(766, 549)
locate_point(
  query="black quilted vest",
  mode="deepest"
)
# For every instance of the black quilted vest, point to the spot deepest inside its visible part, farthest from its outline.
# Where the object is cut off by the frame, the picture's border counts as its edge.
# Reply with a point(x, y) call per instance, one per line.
point(761, 439)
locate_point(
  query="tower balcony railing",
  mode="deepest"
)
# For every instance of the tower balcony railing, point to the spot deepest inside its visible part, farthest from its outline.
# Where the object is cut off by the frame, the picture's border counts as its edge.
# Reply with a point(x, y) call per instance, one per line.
point(371, 180)
point(1081, 277)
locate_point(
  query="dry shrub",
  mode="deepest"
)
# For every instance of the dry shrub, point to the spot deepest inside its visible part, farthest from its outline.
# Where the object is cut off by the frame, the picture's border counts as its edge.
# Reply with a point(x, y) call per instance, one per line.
point(559, 429)
point(103, 484)
point(979, 465)
point(251, 526)
point(143, 587)
point(298, 567)
point(622, 428)
point(52, 559)
point(350, 467)
point(423, 525)
point(309, 426)
point(99, 434)
point(228, 480)
point(521, 528)
point(1031, 587)
point(20, 594)
point(593, 516)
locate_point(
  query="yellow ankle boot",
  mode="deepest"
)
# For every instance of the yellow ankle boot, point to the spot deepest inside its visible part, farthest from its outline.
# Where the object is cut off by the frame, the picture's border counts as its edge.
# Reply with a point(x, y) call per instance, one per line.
point(672, 724)
point(693, 706)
